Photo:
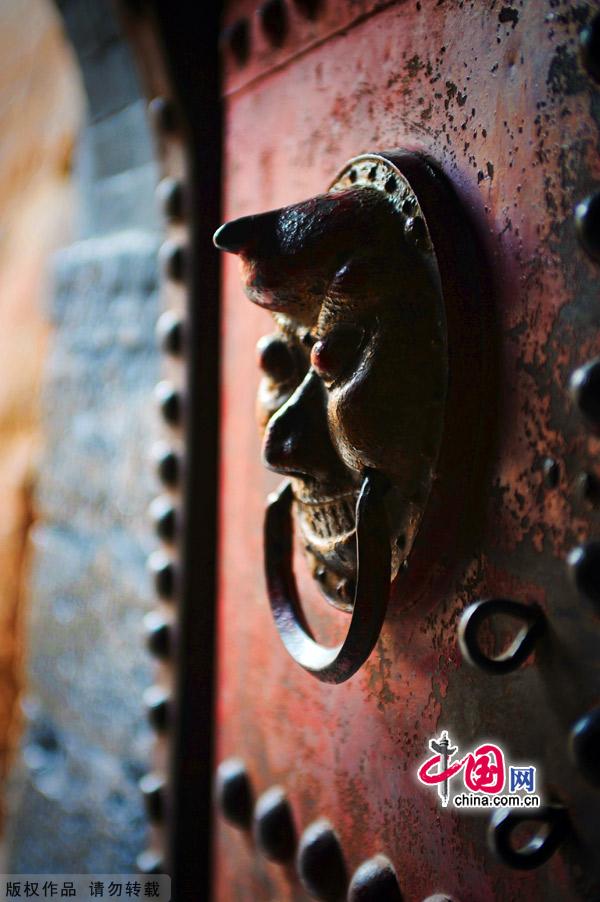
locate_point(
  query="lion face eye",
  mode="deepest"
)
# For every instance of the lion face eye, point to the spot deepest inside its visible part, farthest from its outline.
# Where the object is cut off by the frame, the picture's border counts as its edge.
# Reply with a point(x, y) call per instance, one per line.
point(332, 356)
point(276, 358)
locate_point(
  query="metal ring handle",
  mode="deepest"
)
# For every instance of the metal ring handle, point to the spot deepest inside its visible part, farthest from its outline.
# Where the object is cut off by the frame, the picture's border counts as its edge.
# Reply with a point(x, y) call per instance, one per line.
point(339, 663)
point(540, 848)
point(521, 647)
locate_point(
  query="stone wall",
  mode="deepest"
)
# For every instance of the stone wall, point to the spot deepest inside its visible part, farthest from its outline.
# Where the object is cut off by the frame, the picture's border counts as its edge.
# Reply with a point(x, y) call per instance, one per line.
point(87, 743)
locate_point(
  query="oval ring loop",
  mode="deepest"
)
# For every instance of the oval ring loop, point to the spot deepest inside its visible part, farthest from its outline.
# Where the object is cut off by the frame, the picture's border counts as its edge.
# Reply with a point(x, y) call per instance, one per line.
point(374, 561)
point(534, 624)
point(540, 847)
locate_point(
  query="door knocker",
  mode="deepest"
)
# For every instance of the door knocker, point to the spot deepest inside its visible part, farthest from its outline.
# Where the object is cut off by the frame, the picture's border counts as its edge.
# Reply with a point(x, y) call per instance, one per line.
point(352, 399)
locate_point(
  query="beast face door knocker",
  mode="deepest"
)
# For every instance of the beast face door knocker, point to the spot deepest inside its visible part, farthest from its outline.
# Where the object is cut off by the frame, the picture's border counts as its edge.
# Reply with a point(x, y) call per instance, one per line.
point(354, 389)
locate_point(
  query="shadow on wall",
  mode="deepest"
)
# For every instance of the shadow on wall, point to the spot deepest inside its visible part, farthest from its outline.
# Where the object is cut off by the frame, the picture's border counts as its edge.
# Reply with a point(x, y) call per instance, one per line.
point(86, 345)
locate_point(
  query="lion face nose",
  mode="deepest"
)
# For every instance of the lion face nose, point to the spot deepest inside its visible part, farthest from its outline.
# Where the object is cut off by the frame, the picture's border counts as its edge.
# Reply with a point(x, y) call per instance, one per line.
point(250, 236)
point(297, 440)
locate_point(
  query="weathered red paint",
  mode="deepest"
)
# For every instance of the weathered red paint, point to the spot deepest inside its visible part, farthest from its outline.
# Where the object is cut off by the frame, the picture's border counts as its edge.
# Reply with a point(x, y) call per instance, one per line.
point(503, 105)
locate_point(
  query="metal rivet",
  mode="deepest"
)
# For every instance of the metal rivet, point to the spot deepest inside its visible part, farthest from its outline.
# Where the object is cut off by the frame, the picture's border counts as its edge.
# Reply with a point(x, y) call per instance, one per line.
point(156, 699)
point(587, 225)
point(375, 881)
point(158, 635)
point(274, 357)
point(584, 386)
point(171, 198)
point(150, 862)
point(167, 464)
point(163, 573)
point(274, 825)
point(416, 231)
point(169, 402)
point(308, 8)
point(553, 822)
point(534, 624)
point(274, 22)
point(152, 787)
point(584, 746)
point(164, 517)
point(588, 489)
point(236, 37)
point(346, 590)
point(163, 114)
point(233, 792)
point(551, 472)
point(590, 47)
point(320, 862)
point(172, 258)
point(169, 331)
point(584, 567)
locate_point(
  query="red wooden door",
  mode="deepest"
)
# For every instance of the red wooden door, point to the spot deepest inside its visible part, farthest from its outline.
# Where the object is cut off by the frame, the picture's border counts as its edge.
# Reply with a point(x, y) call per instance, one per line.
point(500, 97)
